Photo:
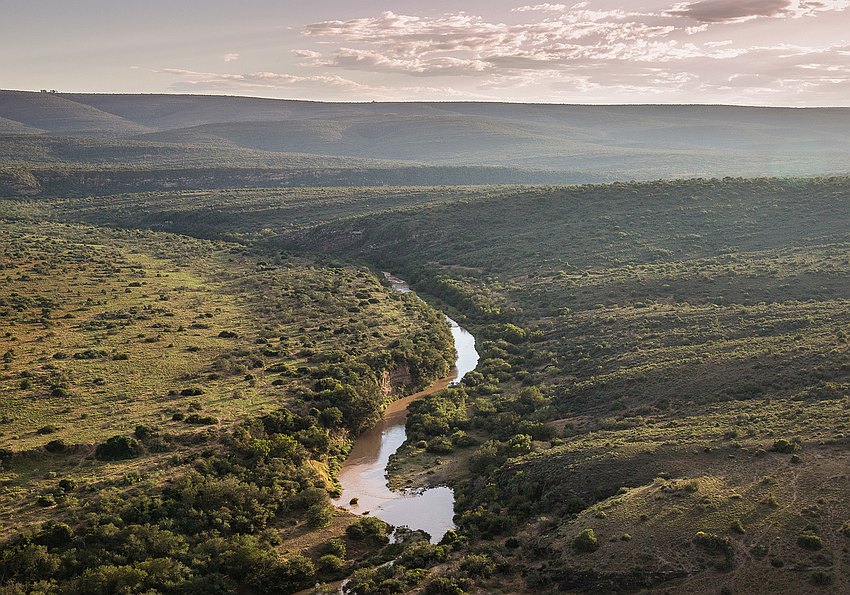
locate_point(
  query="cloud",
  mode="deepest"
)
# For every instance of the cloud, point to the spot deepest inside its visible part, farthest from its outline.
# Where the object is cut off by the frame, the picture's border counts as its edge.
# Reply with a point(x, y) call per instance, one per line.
point(730, 11)
point(460, 44)
point(737, 11)
point(355, 59)
point(255, 80)
point(306, 53)
point(545, 8)
point(556, 52)
point(310, 86)
point(231, 57)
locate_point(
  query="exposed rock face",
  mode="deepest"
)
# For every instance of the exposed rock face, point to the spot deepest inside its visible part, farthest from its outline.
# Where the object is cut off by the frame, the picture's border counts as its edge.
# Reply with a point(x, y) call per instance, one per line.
point(398, 378)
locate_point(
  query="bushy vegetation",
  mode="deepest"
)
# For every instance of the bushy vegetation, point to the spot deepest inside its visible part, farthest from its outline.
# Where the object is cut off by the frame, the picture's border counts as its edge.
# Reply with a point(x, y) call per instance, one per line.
point(664, 328)
point(664, 367)
point(237, 383)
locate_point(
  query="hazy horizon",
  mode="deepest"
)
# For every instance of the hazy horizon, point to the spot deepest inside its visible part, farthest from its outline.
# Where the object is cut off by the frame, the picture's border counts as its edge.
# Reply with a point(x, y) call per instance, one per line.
point(447, 101)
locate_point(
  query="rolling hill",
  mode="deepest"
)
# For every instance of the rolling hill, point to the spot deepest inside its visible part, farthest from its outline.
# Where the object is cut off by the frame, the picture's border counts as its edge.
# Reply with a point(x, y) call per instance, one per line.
point(581, 143)
point(57, 115)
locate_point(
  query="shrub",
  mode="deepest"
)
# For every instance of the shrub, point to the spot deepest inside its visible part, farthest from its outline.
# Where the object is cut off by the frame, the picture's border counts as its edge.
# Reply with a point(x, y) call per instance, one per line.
point(809, 541)
point(118, 447)
point(586, 541)
point(477, 565)
point(369, 528)
point(46, 500)
point(201, 420)
point(141, 432)
point(53, 534)
point(320, 515)
point(738, 527)
point(67, 484)
point(331, 417)
point(445, 585)
point(46, 430)
point(55, 446)
point(786, 446)
point(713, 543)
point(333, 547)
point(821, 578)
point(331, 563)
point(462, 440)
point(439, 445)
point(421, 554)
point(286, 576)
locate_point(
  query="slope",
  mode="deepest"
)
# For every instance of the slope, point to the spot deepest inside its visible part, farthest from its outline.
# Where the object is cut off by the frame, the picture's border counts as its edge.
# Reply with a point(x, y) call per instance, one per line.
point(57, 115)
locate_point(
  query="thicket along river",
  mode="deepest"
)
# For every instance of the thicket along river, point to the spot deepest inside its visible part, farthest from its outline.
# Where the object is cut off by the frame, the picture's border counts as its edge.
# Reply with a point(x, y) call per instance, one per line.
point(363, 475)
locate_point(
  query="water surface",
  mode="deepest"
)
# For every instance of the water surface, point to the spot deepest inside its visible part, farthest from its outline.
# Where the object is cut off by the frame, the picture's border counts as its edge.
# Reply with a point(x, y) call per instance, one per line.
point(363, 475)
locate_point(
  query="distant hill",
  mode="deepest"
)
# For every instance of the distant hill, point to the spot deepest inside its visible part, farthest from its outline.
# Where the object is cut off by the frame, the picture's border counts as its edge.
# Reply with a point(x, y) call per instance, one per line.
point(57, 115)
point(11, 127)
point(579, 143)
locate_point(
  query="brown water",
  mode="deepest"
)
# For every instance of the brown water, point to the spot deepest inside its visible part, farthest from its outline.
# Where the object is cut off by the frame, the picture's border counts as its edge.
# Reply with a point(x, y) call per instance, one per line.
point(363, 475)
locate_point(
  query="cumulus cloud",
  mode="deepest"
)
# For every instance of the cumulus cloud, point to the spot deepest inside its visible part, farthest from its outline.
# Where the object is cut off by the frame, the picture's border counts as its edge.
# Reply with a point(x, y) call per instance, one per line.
point(736, 11)
point(231, 57)
point(729, 11)
point(435, 66)
point(461, 44)
point(545, 7)
point(688, 51)
point(306, 53)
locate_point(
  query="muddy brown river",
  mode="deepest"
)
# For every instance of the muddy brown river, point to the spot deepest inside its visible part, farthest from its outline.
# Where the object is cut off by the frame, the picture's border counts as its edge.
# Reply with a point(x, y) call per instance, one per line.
point(364, 473)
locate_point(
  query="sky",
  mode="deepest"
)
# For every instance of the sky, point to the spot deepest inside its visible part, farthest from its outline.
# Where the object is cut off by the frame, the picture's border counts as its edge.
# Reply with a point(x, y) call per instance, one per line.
point(752, 52)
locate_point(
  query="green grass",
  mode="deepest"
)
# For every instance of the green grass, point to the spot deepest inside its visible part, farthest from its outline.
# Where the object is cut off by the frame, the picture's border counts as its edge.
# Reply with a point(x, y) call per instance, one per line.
point(106, 330)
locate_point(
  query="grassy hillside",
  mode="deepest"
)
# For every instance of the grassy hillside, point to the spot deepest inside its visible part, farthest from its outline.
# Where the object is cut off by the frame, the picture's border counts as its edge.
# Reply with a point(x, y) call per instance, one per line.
point(245, 214)
point(173, 410)
point(688, 341)
point(11, 127)
point(191, 337)
point(42, 165)
point(52, 113)
point(581, 143)
point(610, 142)
point(97, 153)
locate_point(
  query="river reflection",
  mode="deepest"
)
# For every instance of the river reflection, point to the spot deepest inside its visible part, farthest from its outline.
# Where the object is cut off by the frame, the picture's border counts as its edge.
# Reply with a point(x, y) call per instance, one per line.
point(363, 475)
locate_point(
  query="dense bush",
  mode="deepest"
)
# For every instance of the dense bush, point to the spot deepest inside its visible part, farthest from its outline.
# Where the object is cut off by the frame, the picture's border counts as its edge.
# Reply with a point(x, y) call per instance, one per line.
point(810, 541)
point(586, 541)
point(118, 447)
point(368, 528)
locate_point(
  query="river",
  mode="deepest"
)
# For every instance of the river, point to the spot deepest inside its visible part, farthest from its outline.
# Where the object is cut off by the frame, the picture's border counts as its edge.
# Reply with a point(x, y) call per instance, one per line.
point(363, 475)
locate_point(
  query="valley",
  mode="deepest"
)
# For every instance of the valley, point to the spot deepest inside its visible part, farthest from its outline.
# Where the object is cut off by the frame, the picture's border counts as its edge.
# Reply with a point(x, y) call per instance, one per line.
point(661, 399)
